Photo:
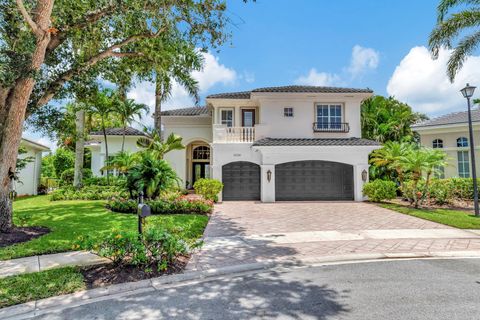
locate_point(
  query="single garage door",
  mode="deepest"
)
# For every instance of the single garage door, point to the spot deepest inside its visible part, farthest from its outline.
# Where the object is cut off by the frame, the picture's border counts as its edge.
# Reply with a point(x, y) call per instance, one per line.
point(241, 181)
point(313, 180)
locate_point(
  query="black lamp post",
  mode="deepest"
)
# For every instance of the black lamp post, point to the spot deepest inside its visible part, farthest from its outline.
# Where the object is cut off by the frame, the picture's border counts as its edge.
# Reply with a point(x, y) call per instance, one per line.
point(468, 93)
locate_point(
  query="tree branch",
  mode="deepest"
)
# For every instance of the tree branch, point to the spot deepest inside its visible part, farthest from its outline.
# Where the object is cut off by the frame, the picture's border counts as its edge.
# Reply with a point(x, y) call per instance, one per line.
point(39, 32)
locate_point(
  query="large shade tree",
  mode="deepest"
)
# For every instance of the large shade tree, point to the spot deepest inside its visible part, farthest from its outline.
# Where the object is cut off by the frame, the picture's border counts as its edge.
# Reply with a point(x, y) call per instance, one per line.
point(458, 30)
point(46, 46)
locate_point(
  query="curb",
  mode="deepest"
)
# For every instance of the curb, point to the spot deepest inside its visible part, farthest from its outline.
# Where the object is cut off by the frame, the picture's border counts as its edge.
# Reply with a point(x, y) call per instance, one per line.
point(59, 303)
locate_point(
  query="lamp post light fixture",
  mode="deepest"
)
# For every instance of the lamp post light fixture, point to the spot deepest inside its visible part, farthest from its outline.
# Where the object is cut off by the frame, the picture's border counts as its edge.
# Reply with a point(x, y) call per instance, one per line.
point(467, 92)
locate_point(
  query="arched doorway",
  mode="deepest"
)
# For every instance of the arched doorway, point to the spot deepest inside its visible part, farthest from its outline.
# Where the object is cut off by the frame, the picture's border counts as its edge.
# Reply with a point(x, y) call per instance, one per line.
point(200, 163)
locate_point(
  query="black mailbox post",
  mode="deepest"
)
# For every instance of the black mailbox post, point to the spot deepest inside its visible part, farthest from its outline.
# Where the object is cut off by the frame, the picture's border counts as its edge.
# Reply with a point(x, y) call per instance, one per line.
point(143, 211)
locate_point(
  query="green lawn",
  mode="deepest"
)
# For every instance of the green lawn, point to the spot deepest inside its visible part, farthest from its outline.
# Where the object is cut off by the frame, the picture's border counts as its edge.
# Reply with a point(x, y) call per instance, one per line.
point(39, 285)
point(455, 218)
point(68, 220)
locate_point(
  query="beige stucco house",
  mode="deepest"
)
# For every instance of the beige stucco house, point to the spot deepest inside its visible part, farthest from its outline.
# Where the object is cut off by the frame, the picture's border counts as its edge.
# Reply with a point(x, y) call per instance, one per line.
point(276, 143)
point(450, 134)
point(29, 177)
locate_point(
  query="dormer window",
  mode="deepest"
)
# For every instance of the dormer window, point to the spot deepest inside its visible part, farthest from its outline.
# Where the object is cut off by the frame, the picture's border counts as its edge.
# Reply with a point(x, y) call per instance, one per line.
point(462, 142)
point(437, 144)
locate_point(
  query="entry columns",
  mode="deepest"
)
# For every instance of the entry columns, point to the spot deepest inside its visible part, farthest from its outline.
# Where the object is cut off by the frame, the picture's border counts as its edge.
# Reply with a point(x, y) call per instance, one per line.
point(358, 180)
point(267, 190)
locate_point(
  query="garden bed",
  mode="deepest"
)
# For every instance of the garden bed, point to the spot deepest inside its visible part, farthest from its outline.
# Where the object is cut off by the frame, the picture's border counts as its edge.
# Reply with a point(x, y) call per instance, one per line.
point(22, 234)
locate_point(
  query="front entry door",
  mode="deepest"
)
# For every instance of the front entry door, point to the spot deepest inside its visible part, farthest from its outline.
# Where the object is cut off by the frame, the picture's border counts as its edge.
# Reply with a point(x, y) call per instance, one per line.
point(200, 170)
point(248, 117)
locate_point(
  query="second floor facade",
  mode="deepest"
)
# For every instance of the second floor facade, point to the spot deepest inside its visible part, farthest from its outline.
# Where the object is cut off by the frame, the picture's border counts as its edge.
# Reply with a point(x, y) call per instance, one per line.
point(273, 112)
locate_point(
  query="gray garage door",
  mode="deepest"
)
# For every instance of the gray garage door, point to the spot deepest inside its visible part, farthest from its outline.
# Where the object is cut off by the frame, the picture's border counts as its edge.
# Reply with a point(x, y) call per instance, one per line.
point(241, 181)
point(313, 180)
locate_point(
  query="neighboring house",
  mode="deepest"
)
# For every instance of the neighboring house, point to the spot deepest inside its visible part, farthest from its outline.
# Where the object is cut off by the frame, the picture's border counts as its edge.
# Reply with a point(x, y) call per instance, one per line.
point(450, 134)
point(29, 177)
point(274, 144)
point(96, 145)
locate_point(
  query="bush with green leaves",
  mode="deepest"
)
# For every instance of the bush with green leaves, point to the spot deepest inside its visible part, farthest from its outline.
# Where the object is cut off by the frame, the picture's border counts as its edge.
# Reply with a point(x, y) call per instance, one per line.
point(155, 248)
point(380, 190)
point(64, 159)
point(119, 181)
point(208, 188)
point(163, 206)
point(440, 191)
point(67, 176)
point(88, 193)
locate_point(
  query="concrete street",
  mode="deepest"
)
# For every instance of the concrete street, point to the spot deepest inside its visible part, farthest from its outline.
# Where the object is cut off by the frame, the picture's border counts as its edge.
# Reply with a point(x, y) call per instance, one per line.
point(404, 289)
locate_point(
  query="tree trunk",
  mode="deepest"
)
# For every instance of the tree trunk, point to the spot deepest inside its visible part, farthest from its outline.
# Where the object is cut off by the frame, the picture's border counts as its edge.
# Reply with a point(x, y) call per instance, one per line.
point(79, 148)
point(106, 149)
point(158, 107)
point(123, 138)
point(13, 105)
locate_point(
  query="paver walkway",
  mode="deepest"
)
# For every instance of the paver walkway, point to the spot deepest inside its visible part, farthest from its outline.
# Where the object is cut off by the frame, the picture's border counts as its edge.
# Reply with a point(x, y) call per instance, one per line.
point(48, 261)
point(247, 232)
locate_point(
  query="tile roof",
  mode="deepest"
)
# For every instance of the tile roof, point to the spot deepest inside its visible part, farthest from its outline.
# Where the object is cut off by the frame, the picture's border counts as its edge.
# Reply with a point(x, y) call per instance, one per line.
point(129, 131)
point(451, 118)
point(273, 142)
point(287, 89)
point(191, 111)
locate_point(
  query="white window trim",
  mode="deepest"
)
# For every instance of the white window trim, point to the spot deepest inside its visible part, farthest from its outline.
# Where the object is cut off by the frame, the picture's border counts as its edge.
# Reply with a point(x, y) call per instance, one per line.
point(226, 109)
point(467, 161)
point(342, 108)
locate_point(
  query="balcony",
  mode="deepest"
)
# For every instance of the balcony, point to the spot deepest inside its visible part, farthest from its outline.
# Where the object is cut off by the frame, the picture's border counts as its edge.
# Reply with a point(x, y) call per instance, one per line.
point(225, 134)
point(331, 127)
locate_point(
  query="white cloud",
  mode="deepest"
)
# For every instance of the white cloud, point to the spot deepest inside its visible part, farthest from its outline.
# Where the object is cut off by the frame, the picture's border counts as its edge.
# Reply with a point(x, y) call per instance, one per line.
point(422, 82)
point(212, 74)
point(49, 143)
point(315, 78)
point(363, 59)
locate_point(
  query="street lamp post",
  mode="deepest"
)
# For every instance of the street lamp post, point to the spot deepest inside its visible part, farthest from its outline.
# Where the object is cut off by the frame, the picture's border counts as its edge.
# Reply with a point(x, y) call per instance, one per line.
point(468, 93)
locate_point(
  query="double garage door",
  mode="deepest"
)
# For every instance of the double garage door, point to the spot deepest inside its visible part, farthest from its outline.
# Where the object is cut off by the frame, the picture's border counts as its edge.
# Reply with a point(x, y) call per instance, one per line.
point(294, 181)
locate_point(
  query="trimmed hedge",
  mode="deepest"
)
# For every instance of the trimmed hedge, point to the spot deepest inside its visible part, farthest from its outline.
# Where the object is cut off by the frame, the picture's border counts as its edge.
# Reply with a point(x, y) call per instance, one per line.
point(163, 206)
point(88, 193)
point(380, 190)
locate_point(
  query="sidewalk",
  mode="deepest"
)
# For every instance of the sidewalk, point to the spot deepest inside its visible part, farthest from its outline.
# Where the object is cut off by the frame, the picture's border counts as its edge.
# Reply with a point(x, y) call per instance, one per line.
point(48, 261)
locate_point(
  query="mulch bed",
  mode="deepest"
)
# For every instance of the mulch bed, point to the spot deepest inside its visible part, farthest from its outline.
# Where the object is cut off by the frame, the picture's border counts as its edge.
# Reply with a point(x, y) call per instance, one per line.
point(107, 274)
point(460, 205)
point(21, 234)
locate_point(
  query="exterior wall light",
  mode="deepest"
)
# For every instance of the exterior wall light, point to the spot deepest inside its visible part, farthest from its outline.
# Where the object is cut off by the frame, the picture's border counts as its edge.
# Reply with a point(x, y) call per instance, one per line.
point(269, 175)
point(364, 175)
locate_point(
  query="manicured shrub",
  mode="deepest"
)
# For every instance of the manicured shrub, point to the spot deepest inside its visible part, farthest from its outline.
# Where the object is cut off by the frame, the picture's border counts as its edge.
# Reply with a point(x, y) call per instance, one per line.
point(208, 188)
point(68, 175)
point(163, 206)
point(122, 205)
point(64, 159)
point(380, 190)
point(440, 190)
point(88, 193)
point(102, 181)
point(155, 248)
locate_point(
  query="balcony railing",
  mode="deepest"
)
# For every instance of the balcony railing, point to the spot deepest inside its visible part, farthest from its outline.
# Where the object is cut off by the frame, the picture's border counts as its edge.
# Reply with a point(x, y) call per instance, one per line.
point(331, 127)
point(234, 134)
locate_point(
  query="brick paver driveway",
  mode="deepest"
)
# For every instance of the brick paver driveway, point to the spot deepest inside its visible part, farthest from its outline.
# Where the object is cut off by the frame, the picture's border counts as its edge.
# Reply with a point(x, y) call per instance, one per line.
point(246, 232)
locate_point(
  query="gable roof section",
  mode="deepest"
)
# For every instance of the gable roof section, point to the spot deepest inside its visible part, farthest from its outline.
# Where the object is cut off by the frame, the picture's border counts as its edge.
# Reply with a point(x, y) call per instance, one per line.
point(35, 144)
point(450, 118)
point(129, 131)
point(286, 89)
point(191, 111)
point(284, 142)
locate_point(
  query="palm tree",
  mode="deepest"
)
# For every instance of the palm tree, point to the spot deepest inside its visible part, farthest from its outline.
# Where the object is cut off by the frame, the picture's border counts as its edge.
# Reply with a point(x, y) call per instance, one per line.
point(415, 162)
point(435, 159)
point(458, 31)
point(153, 143)
point(389, 157)
point(122, 161)
point(127, 110)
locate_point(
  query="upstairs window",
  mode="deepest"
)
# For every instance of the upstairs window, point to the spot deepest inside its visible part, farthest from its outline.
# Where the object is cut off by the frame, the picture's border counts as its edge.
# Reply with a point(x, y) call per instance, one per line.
point(462, 142)
point(288, 112)
point(329, 116)
point(226, 117)
point(437, 143)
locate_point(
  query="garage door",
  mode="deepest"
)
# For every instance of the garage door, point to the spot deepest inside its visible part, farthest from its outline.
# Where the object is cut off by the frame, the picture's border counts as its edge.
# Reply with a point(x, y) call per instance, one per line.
point(313, 180)
point(241, 181)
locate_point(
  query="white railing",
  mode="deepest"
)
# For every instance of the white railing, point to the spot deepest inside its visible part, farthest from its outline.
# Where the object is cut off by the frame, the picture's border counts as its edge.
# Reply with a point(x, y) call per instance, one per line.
point(234, 134)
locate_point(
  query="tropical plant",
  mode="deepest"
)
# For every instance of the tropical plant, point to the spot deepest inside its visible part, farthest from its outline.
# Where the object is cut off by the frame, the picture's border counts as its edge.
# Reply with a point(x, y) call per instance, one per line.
point(458, 31)
point(380, 190)
point(151, 176)
point(153, 143)
point(434, 160)
point(415, 163)
point(390, 158)
point(208, 188)
point(122, 162)
point(127, 110)
point(387, 119)
point(64, 159)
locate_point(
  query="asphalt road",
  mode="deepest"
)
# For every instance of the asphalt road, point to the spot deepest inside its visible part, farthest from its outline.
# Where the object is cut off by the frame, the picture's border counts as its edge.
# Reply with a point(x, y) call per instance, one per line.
point(413, 289)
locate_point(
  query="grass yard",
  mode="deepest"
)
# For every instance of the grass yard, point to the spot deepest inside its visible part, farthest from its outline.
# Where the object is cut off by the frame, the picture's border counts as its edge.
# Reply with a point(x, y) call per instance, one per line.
point(39, 285)
point(455, 218)
point(68, 220)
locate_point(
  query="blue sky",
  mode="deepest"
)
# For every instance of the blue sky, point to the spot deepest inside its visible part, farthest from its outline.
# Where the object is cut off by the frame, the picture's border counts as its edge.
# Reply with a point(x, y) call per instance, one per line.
point(379, 44)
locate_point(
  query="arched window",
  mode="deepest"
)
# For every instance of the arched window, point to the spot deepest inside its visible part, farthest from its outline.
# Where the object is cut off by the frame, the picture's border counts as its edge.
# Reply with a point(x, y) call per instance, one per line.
point(462, 142)
point(201, 153)
point(437, 143)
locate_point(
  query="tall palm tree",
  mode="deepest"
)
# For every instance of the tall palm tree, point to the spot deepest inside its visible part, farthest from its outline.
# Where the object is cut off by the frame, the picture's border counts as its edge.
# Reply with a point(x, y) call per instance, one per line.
point(458, 31)
point(127, 110)
point(390, 157)
point(154, 144)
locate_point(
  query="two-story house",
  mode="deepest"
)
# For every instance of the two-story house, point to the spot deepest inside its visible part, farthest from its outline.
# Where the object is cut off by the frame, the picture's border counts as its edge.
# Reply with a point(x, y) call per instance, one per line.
point(275, 144)
point(450, 134)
